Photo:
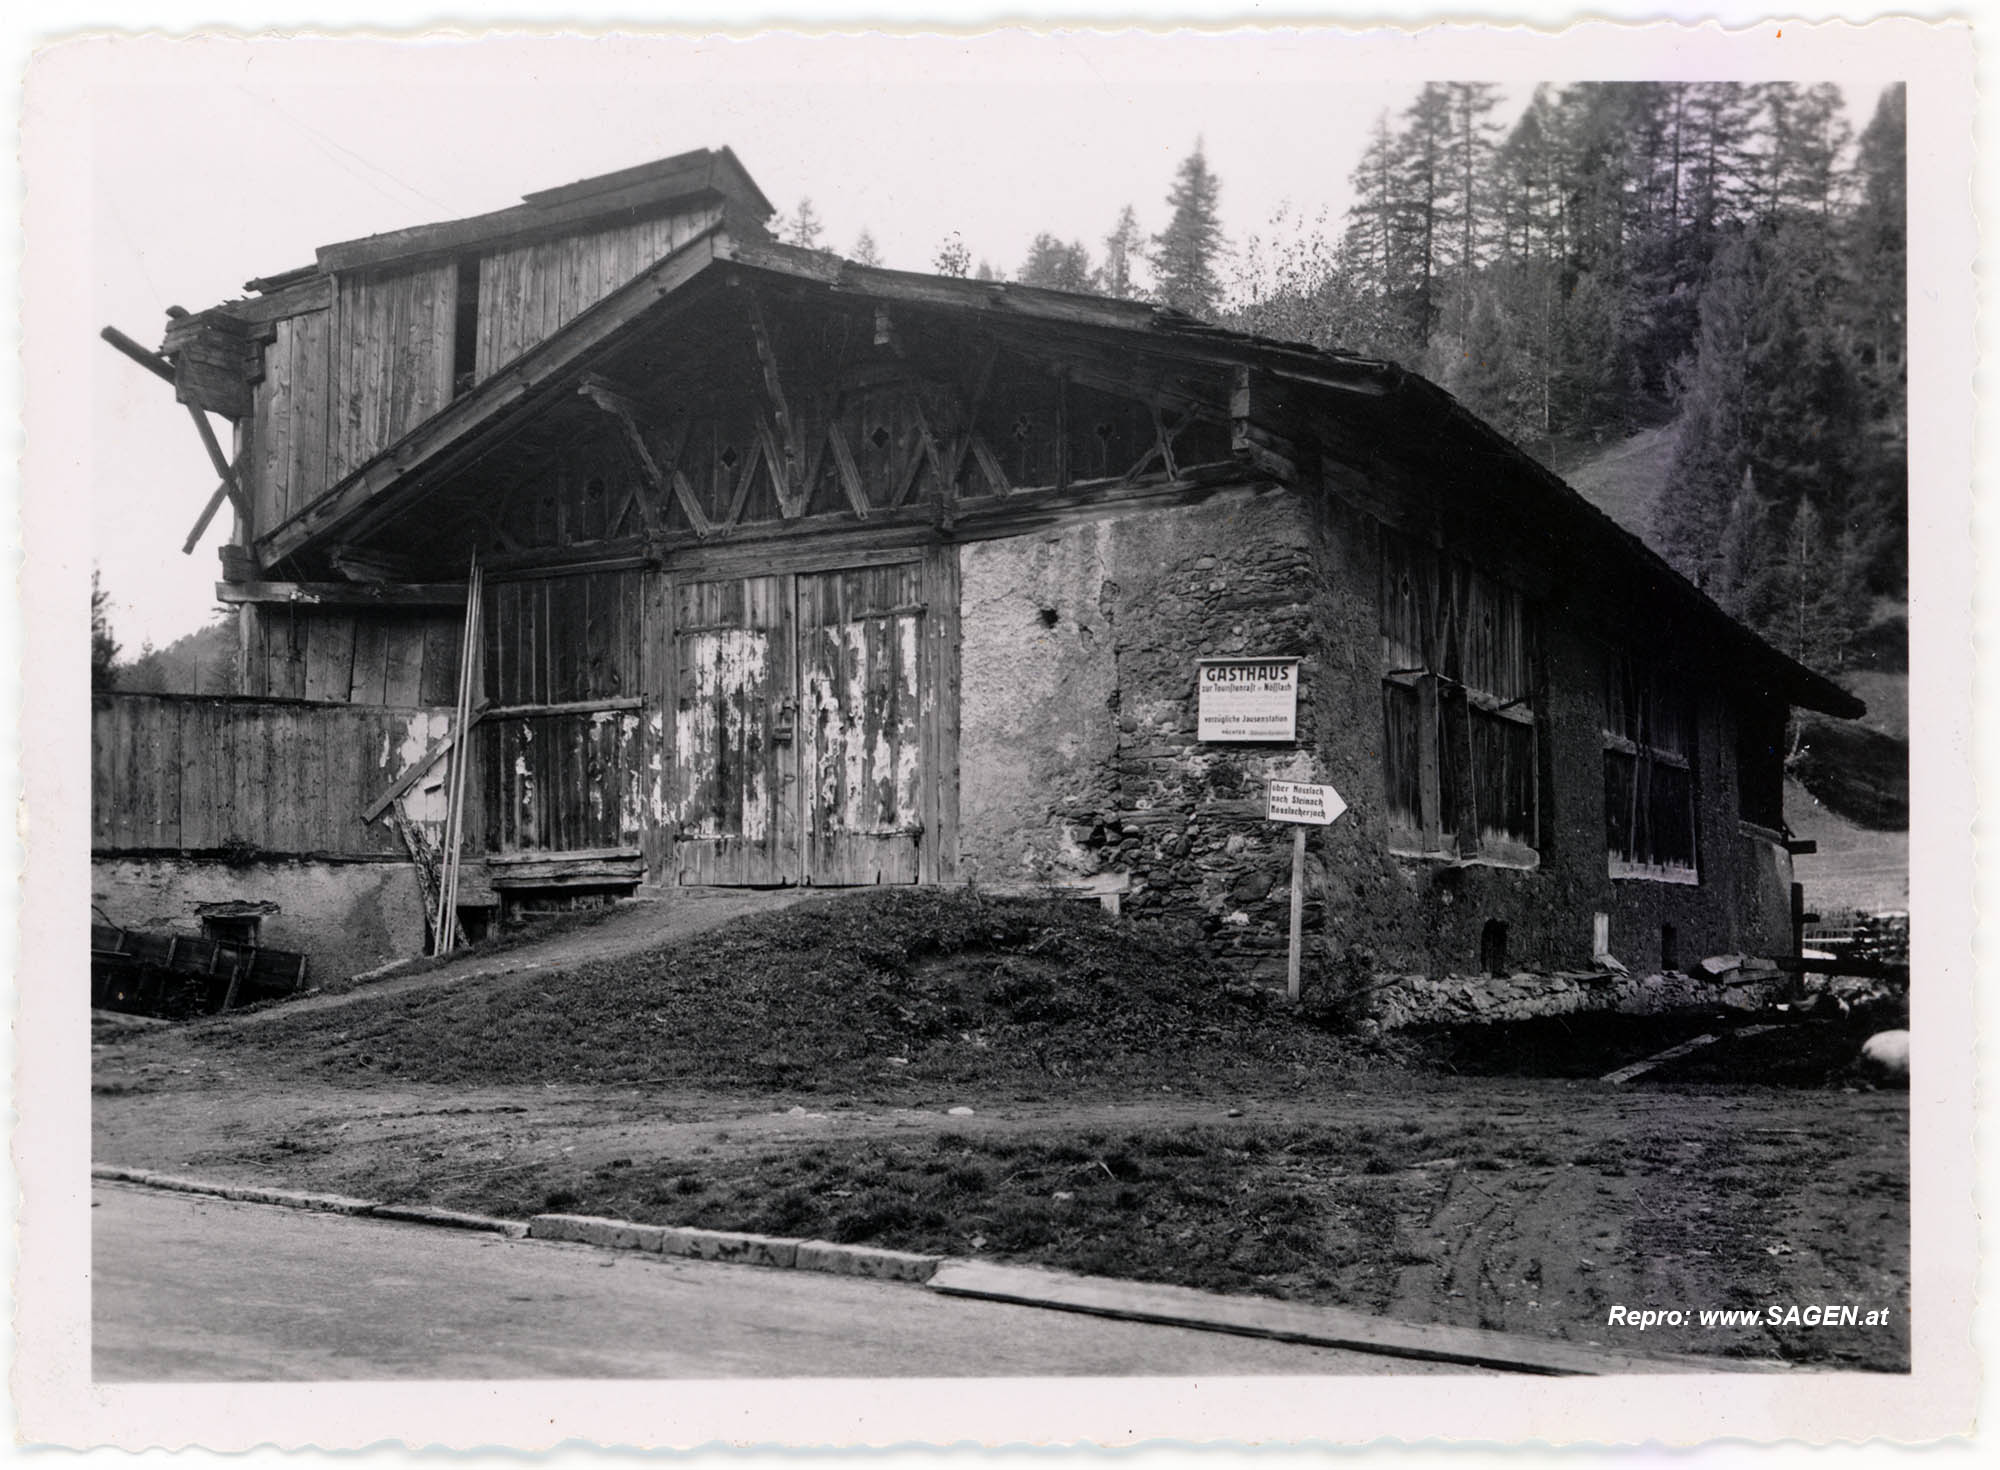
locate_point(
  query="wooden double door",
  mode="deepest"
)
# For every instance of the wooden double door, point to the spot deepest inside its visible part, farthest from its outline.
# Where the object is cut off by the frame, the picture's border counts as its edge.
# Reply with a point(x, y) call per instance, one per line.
point(806, 732)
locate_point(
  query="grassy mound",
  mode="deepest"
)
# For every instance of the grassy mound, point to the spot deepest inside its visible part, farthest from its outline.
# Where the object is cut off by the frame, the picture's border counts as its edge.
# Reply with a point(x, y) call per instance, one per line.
point(890, 990)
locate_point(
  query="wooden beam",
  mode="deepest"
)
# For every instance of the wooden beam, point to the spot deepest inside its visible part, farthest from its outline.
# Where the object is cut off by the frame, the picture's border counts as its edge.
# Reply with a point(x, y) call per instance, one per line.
point(600, 392)
point(345, 594)
point(774, 391)
point(358, 564)
point(573, 707)
point(850, 474)
point(220, 494)
point(1008, 308)
point(1256, 444)
point(684, 493)
point(989, 465)
point(226, 470)
point(152, 362)
point(257, 315)
point(1062, 430)
point(790, 504)
point(1267, 453)
point(570, 855)
point(910, 453)
point(1166, 441)
point(409, 778)
point(752, 462)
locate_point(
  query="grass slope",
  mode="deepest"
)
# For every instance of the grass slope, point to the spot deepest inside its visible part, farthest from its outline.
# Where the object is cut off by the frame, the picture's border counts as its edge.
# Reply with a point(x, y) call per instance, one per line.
point(896, 992)
point(1624, 480)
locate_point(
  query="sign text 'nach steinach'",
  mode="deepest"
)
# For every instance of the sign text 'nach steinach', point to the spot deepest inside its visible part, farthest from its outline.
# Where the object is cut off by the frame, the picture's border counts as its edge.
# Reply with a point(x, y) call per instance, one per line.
point(1302, 802)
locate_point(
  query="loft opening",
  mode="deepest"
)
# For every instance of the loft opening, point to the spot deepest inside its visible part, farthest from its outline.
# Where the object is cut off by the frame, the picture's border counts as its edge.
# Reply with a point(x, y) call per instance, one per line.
point(1458, 709)
point(465, 328)
point(1649, 787)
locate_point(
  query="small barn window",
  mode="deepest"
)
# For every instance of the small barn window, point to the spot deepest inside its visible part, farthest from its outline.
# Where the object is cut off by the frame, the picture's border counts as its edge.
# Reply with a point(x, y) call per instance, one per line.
point(1458, 712)
point(1649, 821)
point(1760, 765)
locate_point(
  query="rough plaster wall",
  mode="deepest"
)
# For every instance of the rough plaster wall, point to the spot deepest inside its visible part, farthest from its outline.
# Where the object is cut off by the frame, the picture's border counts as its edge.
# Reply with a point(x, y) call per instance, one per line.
point(348, 917)
point(1765, 896)
point(1038, 704)
point(1078, 753)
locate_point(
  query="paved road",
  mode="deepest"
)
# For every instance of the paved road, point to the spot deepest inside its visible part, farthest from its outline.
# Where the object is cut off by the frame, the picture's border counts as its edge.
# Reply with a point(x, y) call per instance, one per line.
point(193, 1289)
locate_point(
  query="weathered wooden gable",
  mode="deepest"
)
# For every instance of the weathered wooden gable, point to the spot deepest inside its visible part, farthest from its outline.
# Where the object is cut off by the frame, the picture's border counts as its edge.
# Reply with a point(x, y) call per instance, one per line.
point(761, 414)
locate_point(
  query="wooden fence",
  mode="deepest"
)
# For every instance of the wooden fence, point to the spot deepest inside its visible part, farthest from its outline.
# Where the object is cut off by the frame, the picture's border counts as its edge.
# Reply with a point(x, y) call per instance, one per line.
point(208, 773)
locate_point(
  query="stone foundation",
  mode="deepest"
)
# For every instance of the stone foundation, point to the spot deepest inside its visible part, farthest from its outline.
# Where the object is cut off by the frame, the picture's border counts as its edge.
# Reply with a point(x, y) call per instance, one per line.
point(1456, 1000)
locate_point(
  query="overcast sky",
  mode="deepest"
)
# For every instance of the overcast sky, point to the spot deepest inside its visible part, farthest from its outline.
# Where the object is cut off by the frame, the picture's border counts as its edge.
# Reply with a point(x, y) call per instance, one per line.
point(214, 161)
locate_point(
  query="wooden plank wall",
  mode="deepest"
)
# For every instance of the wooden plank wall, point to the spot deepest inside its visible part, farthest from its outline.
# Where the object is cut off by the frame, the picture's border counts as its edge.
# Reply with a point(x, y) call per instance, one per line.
point(175, 773)
point(391, 360)
point(526, 293)
point(341, 656)
point(342, 384)
point(578, 778)
point(287, 468)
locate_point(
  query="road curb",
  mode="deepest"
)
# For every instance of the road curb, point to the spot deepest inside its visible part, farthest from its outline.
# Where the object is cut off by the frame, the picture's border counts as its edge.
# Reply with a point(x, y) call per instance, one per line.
point(295, 1199)
point(1308, 1323)
point(735, 1247)
point(333, 1204)
point(738, 1247)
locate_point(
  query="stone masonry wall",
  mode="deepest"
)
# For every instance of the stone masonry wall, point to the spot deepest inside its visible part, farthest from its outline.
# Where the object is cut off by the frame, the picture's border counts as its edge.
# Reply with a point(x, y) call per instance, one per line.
point(1081, 768)
point(1417, 1000)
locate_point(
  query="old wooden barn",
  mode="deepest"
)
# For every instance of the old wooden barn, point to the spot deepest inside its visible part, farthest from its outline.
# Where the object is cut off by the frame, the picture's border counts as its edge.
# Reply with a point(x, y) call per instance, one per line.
point(801, 572)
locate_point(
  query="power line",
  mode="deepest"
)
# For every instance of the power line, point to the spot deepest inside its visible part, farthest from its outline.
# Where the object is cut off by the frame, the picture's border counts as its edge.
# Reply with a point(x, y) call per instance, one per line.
point(333, 147)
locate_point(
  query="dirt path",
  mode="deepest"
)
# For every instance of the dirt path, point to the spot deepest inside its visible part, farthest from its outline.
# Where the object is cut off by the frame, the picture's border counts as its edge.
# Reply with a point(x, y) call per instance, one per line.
point(629, 929)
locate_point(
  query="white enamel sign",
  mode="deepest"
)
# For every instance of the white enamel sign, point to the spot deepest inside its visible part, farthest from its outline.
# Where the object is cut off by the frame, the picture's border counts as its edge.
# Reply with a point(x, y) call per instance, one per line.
point(1248, 698)
point(1297, 801)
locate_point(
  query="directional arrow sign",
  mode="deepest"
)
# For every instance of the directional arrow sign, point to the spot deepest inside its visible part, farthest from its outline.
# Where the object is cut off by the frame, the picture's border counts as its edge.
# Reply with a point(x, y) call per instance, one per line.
point(1298, 801)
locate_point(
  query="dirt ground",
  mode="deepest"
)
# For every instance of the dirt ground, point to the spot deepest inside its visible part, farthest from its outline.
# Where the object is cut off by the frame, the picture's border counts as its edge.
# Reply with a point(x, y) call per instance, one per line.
point(939, 1072)
point(1535, 1205)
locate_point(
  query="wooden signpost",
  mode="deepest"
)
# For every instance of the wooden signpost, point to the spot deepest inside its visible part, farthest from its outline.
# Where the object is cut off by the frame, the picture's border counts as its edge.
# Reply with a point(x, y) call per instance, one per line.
point(1304, 805)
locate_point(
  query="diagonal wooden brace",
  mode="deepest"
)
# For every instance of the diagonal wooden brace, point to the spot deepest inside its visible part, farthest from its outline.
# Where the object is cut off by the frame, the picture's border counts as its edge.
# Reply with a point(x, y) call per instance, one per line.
point(223, 468)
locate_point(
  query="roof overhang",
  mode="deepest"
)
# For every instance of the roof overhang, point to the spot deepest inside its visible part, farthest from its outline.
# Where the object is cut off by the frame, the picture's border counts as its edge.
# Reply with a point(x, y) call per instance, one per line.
point(471, 426)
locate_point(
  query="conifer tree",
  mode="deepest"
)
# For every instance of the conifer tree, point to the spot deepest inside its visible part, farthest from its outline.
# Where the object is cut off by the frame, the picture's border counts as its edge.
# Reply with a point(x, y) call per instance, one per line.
point(103, 647)
point(1187, 252)
point(1469, 109)
point(1423, 165)
point(866, 251)
point(1746, 564)
point(1123, 248)
point(1877, 268)
point(802, 227)
point(1058, 266)
point(1710, 454)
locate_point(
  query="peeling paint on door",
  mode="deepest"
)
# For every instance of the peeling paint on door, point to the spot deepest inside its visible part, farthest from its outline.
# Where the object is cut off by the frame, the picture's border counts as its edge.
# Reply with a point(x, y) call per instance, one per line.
point(860, 649)
point(733, 757)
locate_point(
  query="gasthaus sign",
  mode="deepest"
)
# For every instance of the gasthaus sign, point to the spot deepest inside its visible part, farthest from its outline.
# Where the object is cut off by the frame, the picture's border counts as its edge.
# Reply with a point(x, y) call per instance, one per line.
point(1248, 698)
